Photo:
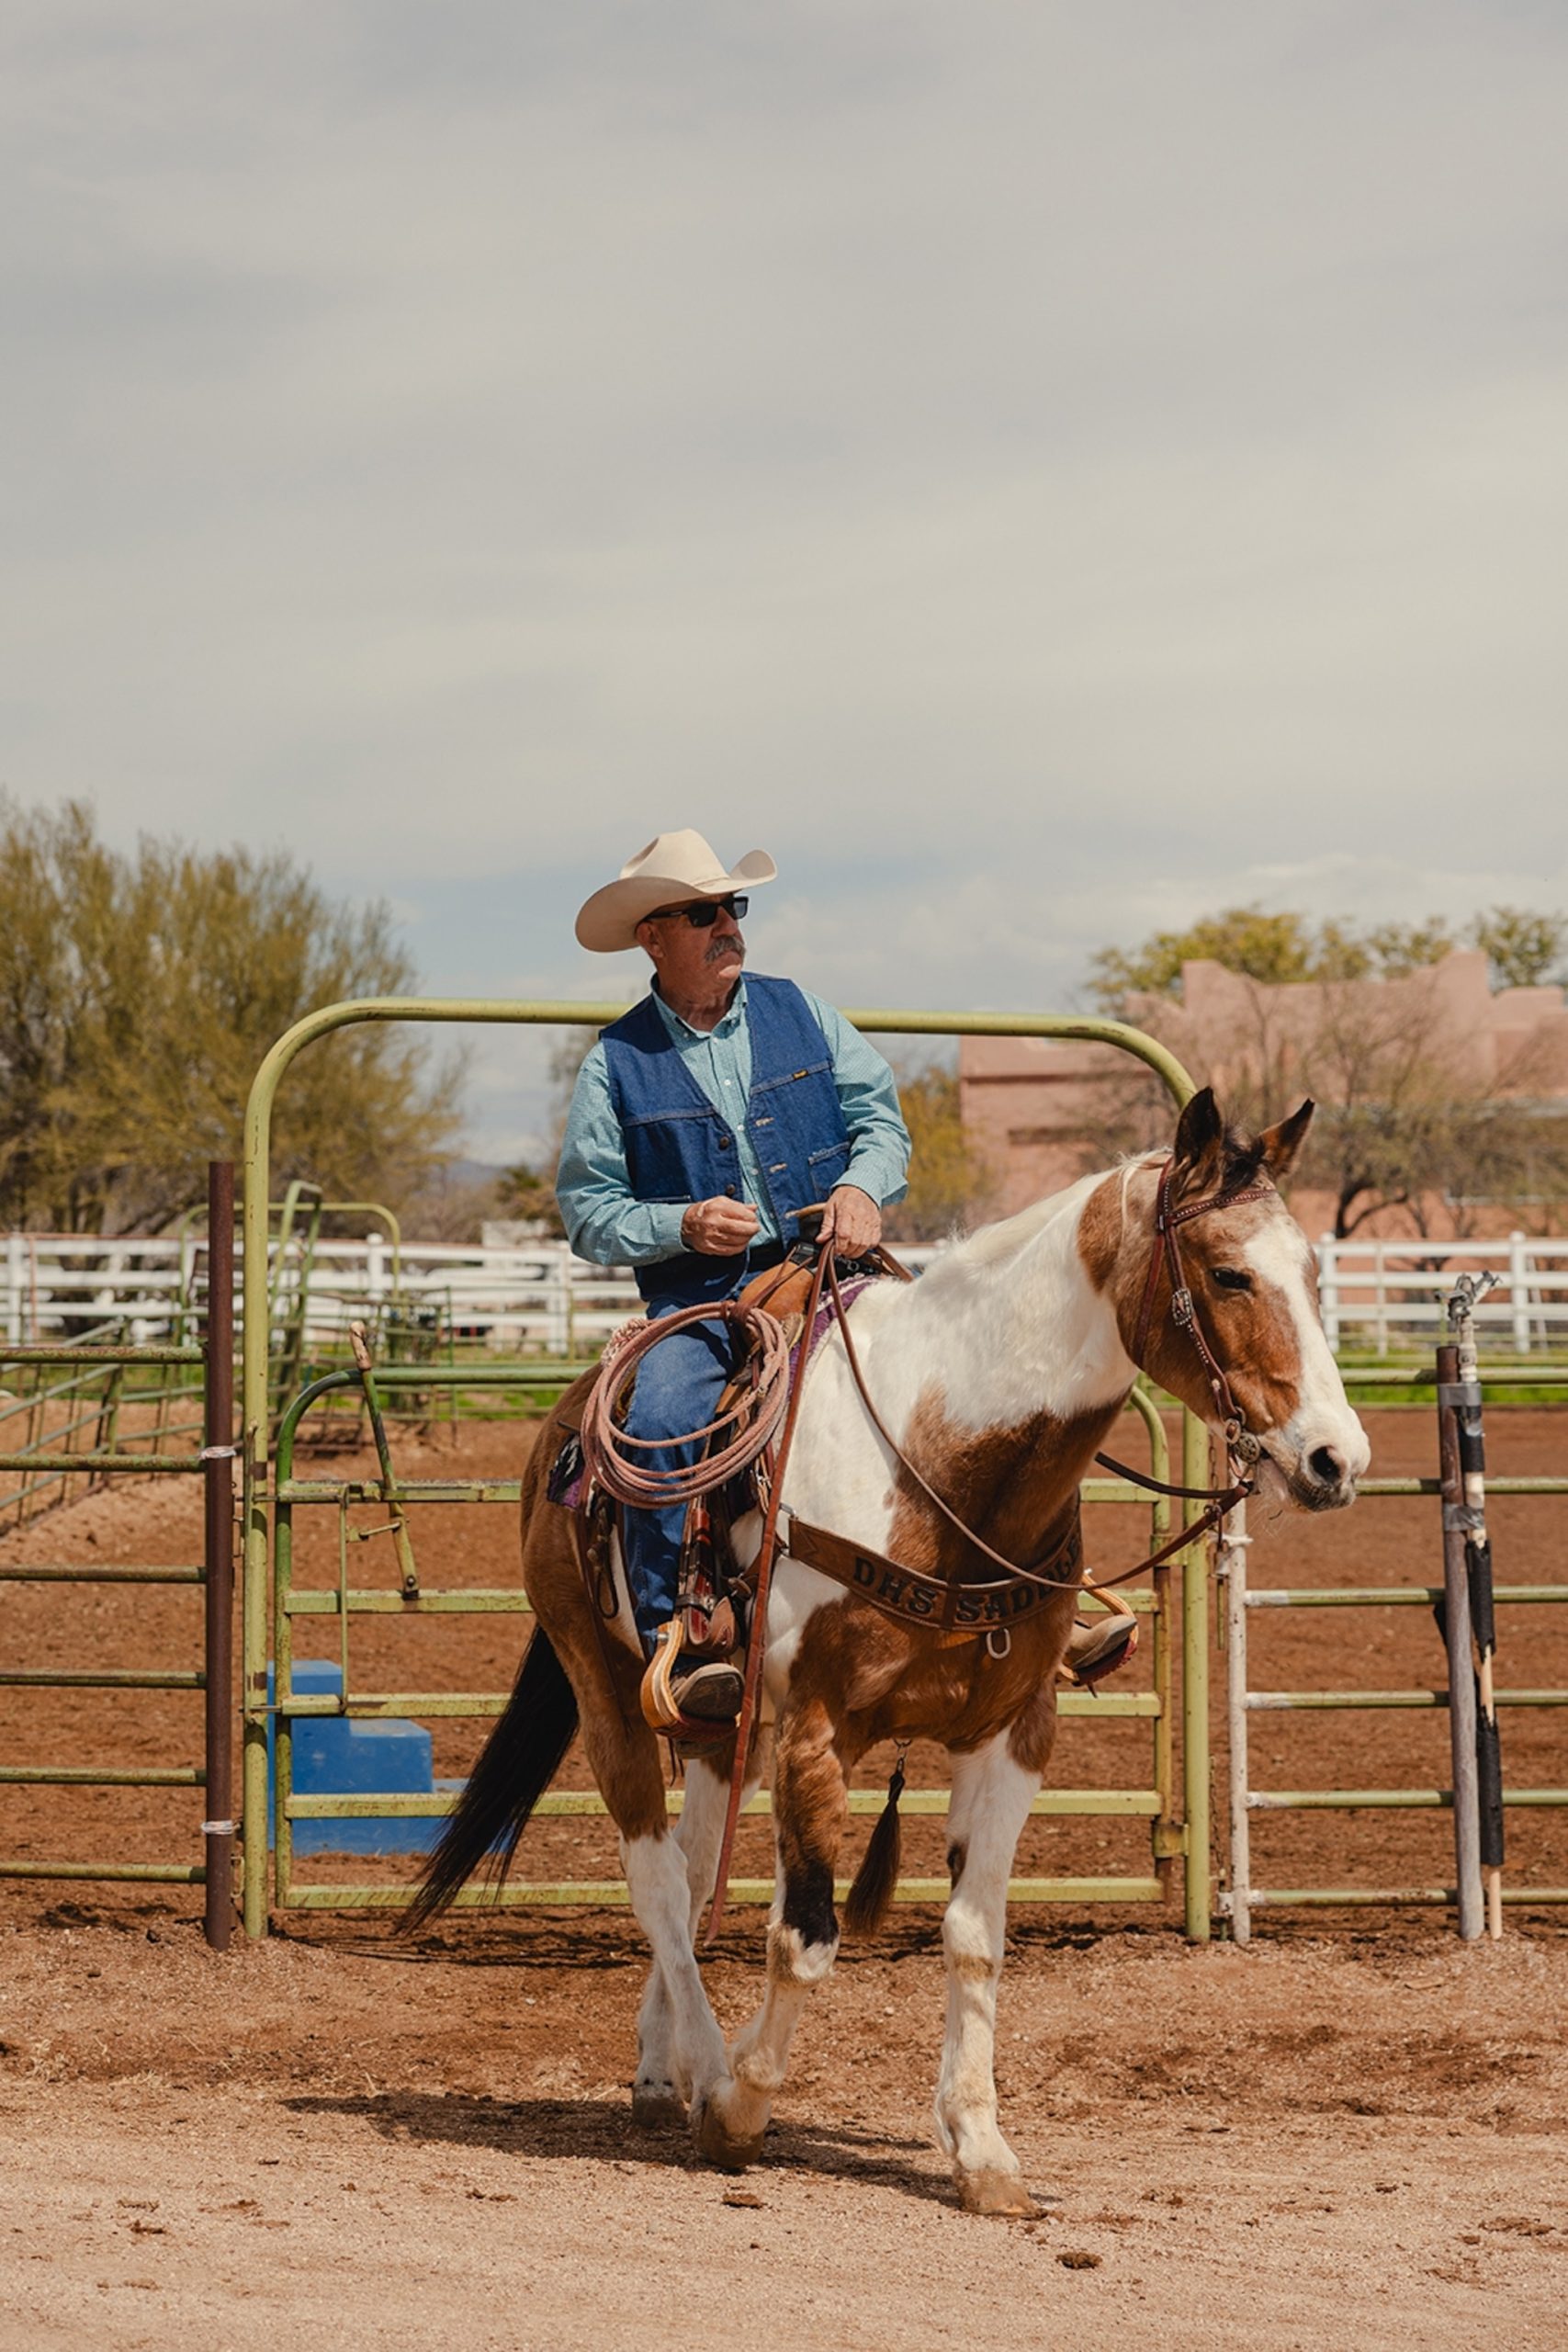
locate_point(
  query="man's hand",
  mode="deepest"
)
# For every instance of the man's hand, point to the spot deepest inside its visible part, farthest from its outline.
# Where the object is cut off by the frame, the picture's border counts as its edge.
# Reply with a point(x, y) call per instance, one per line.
point(852, 1222)
point(720, 1228)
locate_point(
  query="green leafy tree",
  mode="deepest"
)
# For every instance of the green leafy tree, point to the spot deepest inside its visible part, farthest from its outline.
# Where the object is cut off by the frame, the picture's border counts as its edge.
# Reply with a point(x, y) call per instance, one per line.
point(1268, 947)
point(1521, 948)
point(138, 995)
point(1396, 949)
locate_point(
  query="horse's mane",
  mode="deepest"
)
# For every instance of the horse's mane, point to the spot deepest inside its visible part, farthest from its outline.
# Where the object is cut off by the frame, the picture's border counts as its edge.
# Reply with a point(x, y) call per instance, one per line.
point(1005, 1237)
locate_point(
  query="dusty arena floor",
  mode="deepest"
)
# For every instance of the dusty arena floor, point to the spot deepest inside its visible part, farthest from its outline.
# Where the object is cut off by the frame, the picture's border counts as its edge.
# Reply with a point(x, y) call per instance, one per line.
point(1355, 2141)
point(1355, 2133)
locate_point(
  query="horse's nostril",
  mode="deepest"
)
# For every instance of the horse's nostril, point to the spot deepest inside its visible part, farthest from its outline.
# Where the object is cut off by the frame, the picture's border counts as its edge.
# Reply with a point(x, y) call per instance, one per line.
point(1325, 1465)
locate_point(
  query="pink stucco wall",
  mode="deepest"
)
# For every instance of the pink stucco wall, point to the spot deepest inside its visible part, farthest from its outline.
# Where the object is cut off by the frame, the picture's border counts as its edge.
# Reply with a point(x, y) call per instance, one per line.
point(1028, 1103)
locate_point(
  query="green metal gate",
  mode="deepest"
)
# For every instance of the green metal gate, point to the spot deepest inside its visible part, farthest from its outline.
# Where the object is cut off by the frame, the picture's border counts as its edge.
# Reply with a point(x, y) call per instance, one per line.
point(1177, 1810)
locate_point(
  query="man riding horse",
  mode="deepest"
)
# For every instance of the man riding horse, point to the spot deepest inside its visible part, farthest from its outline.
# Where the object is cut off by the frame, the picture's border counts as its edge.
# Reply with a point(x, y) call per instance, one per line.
point(938, 1440)
point(703, 1121)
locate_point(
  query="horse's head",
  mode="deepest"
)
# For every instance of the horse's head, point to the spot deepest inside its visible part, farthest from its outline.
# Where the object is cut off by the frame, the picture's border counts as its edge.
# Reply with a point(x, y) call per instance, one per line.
point(1250, 1313)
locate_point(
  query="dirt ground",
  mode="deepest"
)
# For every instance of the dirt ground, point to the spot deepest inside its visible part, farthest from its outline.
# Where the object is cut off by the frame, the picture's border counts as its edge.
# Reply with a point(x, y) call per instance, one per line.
point(1355, 2133)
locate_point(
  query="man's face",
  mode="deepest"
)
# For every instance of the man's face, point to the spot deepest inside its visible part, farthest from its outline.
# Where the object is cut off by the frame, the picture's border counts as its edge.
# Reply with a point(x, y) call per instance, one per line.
point(692, 963)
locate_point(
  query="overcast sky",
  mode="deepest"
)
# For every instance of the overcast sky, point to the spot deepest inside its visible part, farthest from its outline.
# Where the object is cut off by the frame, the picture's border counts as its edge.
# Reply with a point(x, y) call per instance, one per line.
point(1042, 470)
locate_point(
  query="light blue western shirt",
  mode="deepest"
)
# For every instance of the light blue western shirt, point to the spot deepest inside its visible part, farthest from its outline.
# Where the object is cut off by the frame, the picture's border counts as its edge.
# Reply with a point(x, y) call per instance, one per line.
point(610, 1226)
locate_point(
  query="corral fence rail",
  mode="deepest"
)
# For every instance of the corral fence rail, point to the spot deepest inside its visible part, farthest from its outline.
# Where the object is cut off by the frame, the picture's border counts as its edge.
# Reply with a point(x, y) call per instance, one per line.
point(331, 1611)
point(62, 1367)
point(523, 1298)
point(1241, 1895)
point(1387, 1293)
point(534, 1297)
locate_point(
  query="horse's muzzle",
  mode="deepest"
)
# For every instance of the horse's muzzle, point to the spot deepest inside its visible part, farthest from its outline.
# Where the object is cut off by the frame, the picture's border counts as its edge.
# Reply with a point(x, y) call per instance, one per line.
point(1322, 1476)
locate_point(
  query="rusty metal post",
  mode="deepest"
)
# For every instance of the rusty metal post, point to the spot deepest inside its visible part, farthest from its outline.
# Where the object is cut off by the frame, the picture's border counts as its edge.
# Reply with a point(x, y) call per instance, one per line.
point(218, 1459)
point(1461, 1664)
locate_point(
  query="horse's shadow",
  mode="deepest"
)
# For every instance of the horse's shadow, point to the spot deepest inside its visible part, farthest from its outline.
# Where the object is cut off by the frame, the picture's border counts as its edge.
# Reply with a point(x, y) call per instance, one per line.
point(600, 2130)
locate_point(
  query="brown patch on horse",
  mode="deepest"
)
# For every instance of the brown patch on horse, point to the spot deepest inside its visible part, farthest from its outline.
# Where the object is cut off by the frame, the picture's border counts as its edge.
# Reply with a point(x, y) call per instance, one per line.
point(1256, 1346)
point(1033, 1731)
point(973, 1966)
point(862, 1676)
point(809, 1791)
point(1101, 1230)
point(1012, 1485)
point(628, 1760)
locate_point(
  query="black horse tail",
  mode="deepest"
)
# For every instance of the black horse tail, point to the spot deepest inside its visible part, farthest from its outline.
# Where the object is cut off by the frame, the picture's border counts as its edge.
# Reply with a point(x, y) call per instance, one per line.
point(515, 1766)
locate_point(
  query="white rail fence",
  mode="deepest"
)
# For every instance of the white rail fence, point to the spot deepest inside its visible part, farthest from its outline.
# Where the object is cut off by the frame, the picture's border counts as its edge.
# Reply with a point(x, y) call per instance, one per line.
point(519, 1300)
point(1388, 1296)
point(537, 1298)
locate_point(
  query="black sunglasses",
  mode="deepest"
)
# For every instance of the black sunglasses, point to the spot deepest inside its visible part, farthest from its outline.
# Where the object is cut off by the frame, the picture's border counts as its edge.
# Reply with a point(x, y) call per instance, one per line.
point(703, 913)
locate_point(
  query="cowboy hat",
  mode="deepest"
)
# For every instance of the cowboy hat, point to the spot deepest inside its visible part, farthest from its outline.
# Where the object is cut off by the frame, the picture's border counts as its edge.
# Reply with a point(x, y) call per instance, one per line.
point(671, 869)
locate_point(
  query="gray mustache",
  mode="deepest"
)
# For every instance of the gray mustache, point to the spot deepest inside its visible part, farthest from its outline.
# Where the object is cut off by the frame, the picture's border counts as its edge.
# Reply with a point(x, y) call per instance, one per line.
point(732, 945)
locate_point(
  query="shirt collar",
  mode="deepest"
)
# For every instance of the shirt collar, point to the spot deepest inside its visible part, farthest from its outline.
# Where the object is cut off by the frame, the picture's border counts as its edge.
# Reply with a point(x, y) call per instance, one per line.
point(725, 1027)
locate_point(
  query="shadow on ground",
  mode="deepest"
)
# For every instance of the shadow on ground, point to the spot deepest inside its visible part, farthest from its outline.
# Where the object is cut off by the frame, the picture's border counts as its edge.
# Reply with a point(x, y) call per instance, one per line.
point(600, 2130)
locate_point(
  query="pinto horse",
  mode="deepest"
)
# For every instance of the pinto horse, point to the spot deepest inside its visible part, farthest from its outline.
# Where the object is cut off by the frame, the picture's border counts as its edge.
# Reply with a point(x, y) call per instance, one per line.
point(996, 1376)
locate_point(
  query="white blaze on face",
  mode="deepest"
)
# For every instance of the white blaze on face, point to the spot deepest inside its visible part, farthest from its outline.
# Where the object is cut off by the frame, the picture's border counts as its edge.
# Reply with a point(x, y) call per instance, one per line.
point(1322, 1442)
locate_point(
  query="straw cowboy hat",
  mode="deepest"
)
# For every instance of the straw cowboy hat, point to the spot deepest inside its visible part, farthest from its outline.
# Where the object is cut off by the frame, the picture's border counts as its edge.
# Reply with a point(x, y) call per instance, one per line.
point(671, 869)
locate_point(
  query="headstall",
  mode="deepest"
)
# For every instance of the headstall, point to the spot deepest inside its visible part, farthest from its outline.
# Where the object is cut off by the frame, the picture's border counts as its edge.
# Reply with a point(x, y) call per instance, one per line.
point(1242, 1448)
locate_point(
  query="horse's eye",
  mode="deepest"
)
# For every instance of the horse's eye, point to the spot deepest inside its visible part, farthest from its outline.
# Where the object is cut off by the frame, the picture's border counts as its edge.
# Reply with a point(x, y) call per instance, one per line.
point(1230, 1278)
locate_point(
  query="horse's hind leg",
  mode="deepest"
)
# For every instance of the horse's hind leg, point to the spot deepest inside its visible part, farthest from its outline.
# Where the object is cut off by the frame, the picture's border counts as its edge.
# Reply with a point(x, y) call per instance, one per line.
point(803, 1936)
point(992, 1793)
point(659, 2094)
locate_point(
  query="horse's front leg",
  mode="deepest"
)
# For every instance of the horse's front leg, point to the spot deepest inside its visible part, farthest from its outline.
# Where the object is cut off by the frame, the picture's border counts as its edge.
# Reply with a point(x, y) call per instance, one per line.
point(662, 2091)
point(628, 1767)
point(992, 1793)
point(803, 1935)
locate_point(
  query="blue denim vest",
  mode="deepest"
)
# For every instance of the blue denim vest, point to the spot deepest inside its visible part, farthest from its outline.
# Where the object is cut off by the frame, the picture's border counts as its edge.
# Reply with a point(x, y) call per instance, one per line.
point(680, 1147)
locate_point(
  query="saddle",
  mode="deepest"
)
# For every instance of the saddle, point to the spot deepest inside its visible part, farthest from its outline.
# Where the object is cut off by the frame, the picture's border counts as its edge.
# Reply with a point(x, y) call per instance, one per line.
point(714, 1593)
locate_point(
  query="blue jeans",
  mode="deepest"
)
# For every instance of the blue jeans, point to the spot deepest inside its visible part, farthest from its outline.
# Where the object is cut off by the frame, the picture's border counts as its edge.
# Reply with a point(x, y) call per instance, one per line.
point(678, 1387)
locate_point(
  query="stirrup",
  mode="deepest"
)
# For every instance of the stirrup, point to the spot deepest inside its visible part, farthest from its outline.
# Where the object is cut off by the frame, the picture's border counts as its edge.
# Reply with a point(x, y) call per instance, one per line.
point(1097, 1648)
point(664, 1689)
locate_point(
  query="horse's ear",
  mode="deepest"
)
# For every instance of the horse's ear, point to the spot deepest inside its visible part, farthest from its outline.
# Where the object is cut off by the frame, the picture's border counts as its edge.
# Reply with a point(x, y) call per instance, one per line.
point(1282, 1147)
point(1199, 1158)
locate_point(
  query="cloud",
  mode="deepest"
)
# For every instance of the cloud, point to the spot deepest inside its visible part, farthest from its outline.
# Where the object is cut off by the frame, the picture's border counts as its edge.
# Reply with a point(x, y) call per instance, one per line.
point(1046, 472)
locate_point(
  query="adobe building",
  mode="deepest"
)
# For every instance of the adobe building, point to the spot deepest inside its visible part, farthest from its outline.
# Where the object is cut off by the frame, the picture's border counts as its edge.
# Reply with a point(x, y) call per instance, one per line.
point(1040, 1111)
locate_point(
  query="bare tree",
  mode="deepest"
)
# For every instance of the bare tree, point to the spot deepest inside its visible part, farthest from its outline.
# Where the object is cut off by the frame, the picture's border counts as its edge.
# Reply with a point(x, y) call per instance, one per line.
point(1401, 1123)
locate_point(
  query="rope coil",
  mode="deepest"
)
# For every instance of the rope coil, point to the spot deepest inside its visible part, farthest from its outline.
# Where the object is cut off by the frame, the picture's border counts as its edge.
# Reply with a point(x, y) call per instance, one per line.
point(735, 1438)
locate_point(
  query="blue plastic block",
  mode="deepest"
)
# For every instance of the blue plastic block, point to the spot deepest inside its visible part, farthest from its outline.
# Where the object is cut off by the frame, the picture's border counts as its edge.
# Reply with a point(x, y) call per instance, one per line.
point(342, 1756)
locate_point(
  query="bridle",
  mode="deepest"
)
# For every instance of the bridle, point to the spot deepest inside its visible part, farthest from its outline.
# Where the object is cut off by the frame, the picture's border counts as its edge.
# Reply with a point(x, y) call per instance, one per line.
point(1240, 1442)
point(1242, 1447)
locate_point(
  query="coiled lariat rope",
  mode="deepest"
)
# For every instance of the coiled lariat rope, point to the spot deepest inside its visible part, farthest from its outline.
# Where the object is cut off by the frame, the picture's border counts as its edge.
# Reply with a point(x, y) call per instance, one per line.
point(734, 1439)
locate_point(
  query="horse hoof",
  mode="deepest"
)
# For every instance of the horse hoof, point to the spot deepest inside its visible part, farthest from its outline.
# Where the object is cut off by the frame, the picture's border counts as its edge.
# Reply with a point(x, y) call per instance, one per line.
point(657, 2105)
point(1002, 2194)
point(716, 2146)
